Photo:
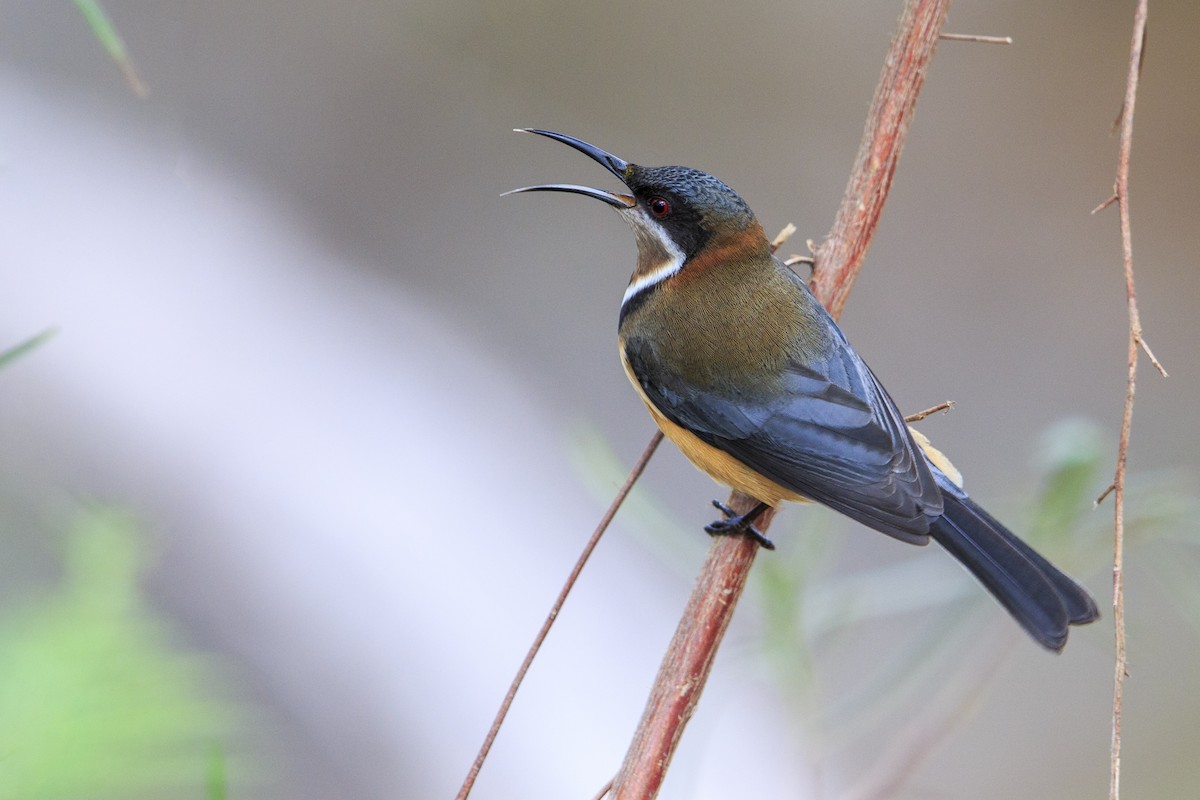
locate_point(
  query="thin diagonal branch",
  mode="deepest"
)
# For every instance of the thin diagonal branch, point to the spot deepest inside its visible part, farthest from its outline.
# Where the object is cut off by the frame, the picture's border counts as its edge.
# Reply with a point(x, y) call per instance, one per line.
point(634, 474)
point(689, 657)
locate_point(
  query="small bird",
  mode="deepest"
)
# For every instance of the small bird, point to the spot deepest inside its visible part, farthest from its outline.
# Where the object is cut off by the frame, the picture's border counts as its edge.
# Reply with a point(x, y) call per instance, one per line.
point(744, 370)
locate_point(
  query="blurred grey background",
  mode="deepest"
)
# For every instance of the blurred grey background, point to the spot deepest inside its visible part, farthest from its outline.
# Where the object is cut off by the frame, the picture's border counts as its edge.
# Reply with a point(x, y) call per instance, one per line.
point(343, 382)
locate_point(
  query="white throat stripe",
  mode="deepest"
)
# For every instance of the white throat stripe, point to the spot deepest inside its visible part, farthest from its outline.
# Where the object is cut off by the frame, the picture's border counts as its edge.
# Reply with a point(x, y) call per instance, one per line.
point(657, 275)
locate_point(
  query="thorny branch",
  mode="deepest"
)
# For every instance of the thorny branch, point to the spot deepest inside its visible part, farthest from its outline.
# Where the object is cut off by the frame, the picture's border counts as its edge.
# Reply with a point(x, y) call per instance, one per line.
point(1136, 342)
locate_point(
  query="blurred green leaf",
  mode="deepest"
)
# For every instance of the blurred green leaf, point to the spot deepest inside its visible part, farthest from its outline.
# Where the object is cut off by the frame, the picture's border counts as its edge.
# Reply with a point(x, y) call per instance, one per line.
point(97, 698)
point(106, 33)
point(1070, 455)
point(783, 605)
point(603, 473)
point(16, 351)
point(218, 788)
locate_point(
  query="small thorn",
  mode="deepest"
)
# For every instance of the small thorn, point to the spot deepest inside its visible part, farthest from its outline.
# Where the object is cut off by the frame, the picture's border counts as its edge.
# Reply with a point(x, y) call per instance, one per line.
point(1112, 199)
point(1116, 126)
point(1150, 355)
point(1111, 488)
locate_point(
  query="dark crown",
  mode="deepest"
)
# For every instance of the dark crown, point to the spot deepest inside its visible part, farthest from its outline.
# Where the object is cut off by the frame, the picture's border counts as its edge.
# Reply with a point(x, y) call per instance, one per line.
point(702, 206)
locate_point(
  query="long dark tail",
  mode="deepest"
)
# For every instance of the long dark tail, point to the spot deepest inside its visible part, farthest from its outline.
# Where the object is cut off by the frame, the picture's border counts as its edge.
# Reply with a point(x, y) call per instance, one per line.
point(1044, 600)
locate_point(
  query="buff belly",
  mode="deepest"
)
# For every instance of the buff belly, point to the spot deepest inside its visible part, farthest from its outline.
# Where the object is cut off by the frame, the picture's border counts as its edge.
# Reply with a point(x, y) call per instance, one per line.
point(719, 465)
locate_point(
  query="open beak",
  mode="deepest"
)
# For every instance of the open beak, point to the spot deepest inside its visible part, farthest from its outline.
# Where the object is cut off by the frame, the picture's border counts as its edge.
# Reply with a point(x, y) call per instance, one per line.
point(615, 165)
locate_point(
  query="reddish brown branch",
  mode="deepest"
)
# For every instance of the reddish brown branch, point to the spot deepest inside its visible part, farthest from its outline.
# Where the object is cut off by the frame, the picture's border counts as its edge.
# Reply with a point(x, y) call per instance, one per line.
point(840, 256)
point(689, 657)
point(1135, 342)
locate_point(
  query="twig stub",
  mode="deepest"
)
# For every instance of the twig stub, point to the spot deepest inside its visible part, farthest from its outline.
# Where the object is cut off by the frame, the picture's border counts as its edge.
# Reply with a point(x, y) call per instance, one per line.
point(920, 415)
point(971, 37)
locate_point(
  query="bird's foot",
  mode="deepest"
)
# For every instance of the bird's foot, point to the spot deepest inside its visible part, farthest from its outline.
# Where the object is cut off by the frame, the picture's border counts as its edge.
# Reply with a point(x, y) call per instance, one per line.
point(735, 524)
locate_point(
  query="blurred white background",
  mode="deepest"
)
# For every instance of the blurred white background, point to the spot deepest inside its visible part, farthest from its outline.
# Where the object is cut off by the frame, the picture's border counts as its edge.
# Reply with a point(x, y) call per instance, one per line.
point(341, 380)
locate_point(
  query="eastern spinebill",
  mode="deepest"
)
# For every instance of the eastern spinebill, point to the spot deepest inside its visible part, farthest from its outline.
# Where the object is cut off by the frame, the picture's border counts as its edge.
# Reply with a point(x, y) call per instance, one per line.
point(743, 369)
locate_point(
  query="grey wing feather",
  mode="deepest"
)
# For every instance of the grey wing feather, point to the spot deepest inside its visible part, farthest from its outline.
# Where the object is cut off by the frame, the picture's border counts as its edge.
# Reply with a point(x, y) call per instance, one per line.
point(831, 434)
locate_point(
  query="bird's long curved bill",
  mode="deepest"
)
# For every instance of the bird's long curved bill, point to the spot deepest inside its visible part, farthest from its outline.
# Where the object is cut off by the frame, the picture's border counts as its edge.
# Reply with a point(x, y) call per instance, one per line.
point(615, 200)
point(617, 166)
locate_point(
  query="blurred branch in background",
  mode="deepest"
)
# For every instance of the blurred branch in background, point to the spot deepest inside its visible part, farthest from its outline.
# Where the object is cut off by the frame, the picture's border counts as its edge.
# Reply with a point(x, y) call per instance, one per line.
point(810, 612)
point(97, 696)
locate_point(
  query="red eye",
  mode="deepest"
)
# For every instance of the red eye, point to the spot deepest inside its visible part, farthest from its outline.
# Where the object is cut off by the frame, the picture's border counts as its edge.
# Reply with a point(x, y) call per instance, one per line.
point(659, 207)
